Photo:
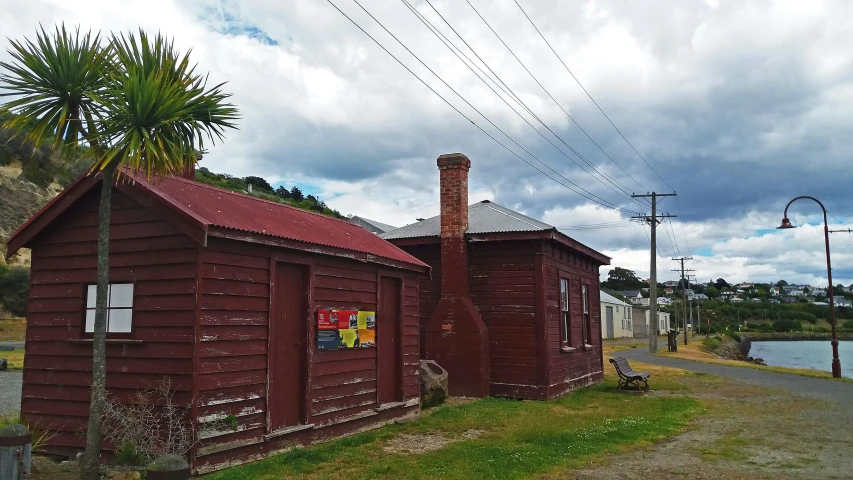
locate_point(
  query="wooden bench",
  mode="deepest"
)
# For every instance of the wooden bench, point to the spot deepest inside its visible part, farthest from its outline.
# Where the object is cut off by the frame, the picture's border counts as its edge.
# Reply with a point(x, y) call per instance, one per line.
point(627, 375)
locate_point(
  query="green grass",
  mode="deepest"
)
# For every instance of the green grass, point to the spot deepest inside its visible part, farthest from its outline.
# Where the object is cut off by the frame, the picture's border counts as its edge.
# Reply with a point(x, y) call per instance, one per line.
point(521, 438)
point(14, 359)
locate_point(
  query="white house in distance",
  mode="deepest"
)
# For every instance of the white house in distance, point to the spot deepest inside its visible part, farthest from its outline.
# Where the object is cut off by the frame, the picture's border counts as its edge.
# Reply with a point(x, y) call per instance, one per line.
point(641, 322)
point(615, 317)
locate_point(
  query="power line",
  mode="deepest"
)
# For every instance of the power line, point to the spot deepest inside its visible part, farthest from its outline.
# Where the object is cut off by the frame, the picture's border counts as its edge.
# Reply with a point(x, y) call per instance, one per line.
point(540, 85)
point(584, 89)
point(475, 108)
point(590, 97)
point(508, 91)
point(511, 94)
point(602, 202)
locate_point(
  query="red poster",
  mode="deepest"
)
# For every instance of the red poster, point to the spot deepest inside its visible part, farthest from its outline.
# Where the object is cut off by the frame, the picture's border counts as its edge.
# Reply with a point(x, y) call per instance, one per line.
point(327, 320)
point(347, 319)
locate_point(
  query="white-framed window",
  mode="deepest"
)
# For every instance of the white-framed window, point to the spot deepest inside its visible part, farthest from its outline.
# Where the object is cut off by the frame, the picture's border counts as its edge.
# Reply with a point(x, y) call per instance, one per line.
point(587, 335)
point(119, 308)
point(565, 319)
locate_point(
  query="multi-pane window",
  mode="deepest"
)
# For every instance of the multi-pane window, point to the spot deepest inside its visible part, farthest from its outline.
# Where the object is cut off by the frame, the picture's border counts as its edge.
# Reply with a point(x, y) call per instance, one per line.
point(564, 309)
point(119, 308)
point(587, 335)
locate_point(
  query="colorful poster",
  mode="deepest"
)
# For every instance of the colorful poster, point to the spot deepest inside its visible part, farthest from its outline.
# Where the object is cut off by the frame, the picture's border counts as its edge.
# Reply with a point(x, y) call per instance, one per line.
point(327, 320)
point(366, 320)
point(348, 338)
point(327, 340)
point(347, 319)
point(366, 337)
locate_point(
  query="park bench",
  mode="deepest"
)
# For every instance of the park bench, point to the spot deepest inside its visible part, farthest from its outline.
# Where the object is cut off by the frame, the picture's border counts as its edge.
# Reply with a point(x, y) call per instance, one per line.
point(627, 375)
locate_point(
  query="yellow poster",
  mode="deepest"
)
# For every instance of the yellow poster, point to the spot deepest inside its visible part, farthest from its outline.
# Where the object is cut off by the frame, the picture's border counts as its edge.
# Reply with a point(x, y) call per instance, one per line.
point(366, 337)
point(348, 338)
point(366, 320)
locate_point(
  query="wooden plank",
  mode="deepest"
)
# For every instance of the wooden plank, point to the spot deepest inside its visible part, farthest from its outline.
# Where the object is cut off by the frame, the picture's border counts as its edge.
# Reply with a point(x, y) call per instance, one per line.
point(236, 347)
point(233, 318)
point(230, 272)
point(234, 302)
point(231, 364)
point(219, 380)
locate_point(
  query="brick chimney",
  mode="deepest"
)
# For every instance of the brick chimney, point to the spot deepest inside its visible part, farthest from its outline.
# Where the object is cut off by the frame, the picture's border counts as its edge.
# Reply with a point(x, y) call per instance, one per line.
point(456, 336)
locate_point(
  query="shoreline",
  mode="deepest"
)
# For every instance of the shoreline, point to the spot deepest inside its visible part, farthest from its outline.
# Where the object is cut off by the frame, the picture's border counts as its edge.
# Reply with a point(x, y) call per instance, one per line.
point(793, 337)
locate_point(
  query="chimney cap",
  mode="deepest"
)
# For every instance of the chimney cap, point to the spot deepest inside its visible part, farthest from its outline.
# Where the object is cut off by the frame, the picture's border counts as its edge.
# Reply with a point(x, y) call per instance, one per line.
point(451, 160)
point(486, 201)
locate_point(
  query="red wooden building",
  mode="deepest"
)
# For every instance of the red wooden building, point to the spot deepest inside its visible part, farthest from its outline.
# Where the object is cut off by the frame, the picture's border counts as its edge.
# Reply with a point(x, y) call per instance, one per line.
point(511, 308)
point(220, 292)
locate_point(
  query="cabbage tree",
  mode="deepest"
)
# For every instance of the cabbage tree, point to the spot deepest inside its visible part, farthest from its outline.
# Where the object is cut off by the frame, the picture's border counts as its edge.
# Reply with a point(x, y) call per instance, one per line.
point(128, 103)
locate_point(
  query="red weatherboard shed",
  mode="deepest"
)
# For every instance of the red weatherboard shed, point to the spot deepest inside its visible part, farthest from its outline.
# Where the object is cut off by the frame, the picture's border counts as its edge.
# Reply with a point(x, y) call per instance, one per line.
point(220, 292)
point(511, 308)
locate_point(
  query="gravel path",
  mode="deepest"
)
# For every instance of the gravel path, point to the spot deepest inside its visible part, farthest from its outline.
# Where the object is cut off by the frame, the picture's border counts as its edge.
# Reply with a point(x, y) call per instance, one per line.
point(824, 389)
point(758, 425)
point(10, 391)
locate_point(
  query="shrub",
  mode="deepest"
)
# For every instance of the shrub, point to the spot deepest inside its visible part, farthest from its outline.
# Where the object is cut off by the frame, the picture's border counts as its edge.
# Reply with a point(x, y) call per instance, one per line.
point(14, 289)
point(711, 343)
point(848, 325)
point(787, 325)
point(735, 337)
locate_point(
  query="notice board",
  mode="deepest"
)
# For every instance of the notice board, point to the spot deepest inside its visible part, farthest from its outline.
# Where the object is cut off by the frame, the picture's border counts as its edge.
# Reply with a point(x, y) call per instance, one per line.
point(341, 329)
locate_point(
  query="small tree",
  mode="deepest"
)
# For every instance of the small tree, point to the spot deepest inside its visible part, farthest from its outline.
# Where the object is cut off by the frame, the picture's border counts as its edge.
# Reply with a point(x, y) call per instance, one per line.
point(137, 104)
point(296, 194)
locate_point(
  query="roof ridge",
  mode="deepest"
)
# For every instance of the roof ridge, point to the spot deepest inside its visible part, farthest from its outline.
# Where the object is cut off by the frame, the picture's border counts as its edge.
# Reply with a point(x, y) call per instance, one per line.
point(252, 197)
point(489, 205)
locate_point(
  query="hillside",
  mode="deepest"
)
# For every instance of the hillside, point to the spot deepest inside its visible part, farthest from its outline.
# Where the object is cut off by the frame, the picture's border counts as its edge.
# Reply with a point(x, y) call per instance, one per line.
point(30, 176)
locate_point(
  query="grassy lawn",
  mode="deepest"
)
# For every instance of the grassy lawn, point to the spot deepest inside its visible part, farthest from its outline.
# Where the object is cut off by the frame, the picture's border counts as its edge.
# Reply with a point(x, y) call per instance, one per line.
point(696, 352)
point(494, 438)
point(15, 359)
point(13, 330)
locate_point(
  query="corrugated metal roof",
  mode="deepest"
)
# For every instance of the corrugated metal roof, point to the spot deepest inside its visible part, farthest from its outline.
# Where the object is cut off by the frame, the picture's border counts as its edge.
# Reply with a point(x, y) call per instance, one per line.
point(372, 225)
point(227, 209)
point(607, 298)
point(483, 217)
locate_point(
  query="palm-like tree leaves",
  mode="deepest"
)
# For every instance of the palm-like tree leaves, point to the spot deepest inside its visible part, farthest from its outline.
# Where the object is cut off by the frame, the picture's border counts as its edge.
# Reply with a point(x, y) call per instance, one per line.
point(160, 111)
point(53, 81)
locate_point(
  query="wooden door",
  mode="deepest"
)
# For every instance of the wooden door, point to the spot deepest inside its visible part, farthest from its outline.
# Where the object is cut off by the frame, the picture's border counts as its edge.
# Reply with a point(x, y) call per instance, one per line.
point(288, 346)
point(388, 327)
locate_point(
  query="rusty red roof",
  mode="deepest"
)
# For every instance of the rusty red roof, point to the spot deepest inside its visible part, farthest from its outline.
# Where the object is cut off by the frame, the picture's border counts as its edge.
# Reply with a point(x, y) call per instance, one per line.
point(224, 208)
point(208, 206)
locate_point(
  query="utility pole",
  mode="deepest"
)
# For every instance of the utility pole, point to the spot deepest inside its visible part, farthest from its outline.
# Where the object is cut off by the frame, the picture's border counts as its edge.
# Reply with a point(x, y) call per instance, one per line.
point(653, 220)
point(692, 325)
point(683, 293)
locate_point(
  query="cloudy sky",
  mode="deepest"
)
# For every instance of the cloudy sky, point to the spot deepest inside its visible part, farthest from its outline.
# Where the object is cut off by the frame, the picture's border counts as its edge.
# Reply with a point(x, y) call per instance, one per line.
point(737, 106)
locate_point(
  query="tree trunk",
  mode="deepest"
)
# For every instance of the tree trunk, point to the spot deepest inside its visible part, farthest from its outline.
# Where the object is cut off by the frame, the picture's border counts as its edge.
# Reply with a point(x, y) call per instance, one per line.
point(90, 469)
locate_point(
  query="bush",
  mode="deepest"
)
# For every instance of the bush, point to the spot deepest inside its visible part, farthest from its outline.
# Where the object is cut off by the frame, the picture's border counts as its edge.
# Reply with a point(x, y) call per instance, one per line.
point(711, 343)
point(848, 325)
point(735, 337)
point(14, 289)
point(787, 325)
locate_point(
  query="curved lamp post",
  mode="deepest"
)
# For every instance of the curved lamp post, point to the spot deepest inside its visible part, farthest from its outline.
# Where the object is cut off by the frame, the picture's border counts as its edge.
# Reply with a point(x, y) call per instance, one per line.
point(836, 364)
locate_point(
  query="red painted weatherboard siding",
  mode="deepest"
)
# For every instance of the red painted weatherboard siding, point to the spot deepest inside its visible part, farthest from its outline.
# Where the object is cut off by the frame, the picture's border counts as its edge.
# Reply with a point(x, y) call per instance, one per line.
point(201, 317)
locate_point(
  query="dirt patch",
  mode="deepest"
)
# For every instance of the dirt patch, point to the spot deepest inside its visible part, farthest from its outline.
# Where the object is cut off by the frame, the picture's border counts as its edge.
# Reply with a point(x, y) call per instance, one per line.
point(416, 444)
point(454, 401)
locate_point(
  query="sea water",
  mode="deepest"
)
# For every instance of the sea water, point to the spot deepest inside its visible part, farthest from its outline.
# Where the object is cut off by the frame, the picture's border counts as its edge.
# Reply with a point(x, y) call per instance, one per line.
point(816, 355)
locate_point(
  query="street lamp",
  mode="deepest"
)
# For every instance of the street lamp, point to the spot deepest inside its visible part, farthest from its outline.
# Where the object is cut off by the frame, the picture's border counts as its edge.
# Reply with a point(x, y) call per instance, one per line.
point(836, 364)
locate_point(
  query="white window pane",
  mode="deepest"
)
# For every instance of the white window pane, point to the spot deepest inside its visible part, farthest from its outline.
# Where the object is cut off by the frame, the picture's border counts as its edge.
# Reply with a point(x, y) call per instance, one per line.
point(120, 319)
point(91, 294)
point(121, 295)
point(90, 321)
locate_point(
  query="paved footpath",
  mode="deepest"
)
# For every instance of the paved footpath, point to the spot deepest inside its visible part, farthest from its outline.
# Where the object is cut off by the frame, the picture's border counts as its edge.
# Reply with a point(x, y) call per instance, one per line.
point(10, 391)
point(824, 389)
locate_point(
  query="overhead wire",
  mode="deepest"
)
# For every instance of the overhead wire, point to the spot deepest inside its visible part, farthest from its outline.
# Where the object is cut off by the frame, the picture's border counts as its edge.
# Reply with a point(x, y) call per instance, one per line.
point(473, 107)
point(600, 201)
point(586, 92)
point(547, 92)
point(508, 91)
